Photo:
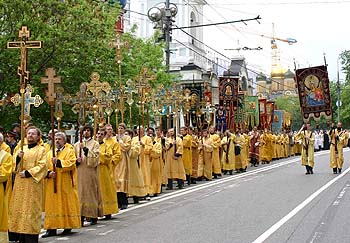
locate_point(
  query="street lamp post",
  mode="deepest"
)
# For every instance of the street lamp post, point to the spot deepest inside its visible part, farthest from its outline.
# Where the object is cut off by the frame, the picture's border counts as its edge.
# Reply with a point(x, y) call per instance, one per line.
point(163, 18)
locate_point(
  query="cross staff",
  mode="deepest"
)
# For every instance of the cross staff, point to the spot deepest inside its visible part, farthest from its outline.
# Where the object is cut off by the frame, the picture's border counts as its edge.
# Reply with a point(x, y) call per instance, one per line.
point(81, 103)
point(99, 90)
point(24, 44)
point(143, 86)
point(119, 45)
point(60, 98)
point(28, 101)
point(51, 80)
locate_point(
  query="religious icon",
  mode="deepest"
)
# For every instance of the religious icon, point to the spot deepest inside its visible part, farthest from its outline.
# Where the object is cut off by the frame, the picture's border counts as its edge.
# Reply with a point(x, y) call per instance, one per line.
point(228, 90)
point(314, 91)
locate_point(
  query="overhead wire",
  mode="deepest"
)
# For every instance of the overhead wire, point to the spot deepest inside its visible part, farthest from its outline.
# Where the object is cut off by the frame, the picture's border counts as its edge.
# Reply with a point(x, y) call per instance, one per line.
point(216, 51)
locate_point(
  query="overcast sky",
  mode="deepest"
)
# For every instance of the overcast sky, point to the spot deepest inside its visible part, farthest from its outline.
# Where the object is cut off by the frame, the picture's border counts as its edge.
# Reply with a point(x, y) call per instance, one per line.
point(318, 26)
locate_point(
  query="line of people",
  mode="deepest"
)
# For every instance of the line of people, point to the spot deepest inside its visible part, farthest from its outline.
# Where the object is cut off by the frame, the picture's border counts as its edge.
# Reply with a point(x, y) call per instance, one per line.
point(96, 177)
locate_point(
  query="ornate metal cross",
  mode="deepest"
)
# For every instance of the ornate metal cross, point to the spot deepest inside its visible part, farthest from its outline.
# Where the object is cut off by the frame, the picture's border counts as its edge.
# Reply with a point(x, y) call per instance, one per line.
point(28, 101)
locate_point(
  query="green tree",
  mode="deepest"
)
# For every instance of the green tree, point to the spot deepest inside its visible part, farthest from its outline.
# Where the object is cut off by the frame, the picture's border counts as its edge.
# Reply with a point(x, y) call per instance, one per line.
point(291, 104)
point(76, 37)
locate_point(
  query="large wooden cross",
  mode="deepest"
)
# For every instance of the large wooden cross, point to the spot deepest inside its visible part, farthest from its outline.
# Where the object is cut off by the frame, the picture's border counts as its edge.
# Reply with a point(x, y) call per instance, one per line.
point(24, 44)
point(51, 79)
point(28, 101)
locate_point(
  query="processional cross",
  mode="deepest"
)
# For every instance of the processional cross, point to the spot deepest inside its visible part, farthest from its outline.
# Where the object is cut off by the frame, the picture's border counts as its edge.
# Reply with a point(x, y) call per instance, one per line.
point(99, 90)
point(24, 44)
point(119, 45)
point(143, 86)
point(51, 96)
point(28, 101)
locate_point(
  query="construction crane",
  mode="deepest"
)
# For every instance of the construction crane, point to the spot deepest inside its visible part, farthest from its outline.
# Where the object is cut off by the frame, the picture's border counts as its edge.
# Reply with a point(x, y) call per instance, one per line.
point(290, 41)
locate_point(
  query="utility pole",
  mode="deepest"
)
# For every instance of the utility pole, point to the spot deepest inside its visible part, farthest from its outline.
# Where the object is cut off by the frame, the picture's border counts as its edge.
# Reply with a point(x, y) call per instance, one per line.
point(167, 30)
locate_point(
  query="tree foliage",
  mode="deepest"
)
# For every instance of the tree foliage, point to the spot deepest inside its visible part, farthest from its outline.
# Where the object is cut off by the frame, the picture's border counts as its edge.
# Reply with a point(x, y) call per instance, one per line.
point(291, 104)
point(76, 37)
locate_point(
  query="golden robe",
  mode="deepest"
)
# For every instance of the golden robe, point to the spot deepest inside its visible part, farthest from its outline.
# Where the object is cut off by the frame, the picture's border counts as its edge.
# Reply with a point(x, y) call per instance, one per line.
point(216, 153)
point(205, 162)
point(136, 186)
point(174, 167)
point(240, 158)
point(88, 179)
point(187, 154)
point(228, 152)
point(195, 156)
point(157, 167)
point(108, 190)
point(62, 209)
point(26, 201)
point(5, 191)
point(307, 149)
point(116, 152)
point(338, 140)
point(121, 171)
point(265, 142)
point(145, 161)
point(5, 147)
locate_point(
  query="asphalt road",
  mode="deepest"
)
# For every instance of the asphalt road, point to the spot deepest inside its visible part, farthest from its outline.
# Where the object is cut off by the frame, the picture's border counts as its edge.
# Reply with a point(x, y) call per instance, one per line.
point(271, 203)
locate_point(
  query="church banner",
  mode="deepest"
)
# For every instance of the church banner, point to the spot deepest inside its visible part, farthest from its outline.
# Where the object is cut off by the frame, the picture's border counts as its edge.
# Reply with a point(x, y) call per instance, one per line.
point(277, 123)
point(314, 93)
point(228, 96)
point(239, 112)
point(270, 107)
point(262, 114)
point(252, 111)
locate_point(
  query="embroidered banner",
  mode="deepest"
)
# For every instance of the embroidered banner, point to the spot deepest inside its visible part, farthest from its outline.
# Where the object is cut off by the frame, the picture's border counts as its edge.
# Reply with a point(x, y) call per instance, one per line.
point(252, 111)
point(262, 114)
point(228, 96)
point(314, 93)
point(277, 123)
point(239, 111)
point(270, 107)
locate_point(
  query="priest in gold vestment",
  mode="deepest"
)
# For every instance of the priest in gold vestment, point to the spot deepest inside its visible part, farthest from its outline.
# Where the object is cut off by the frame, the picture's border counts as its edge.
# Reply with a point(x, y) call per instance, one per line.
point(216, 152)
point(307, 138)
point(62, 208)
point(108, 152)
point(228, 152)
point(174, 167)
point(206, 155)
point(187, 153)
point(338, 139)
point(88, 154)
point(26, 201)
point(5, 189)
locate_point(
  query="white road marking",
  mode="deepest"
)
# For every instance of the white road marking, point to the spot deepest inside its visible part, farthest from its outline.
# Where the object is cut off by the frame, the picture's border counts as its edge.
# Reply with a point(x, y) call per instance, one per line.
point(107, 232)
point(292, 213)
point(207, 185)
point(100, 225)
point(63, 238)
point(90, 229)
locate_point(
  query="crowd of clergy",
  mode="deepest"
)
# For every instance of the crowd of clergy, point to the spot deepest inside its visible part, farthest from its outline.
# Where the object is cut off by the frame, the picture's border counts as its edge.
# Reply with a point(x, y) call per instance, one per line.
point(76, 184)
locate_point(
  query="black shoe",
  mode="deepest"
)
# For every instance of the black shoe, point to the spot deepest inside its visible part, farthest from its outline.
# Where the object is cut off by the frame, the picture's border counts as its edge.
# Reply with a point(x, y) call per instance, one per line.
point(335, 171)
point(49, 233)
point(93, 221)
point(311, 170)
point(339, 170)
point(231, 172)
point(136, 200)
point(66, 232)
point(108, 217)
point(193, 181)
point(124, 206)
